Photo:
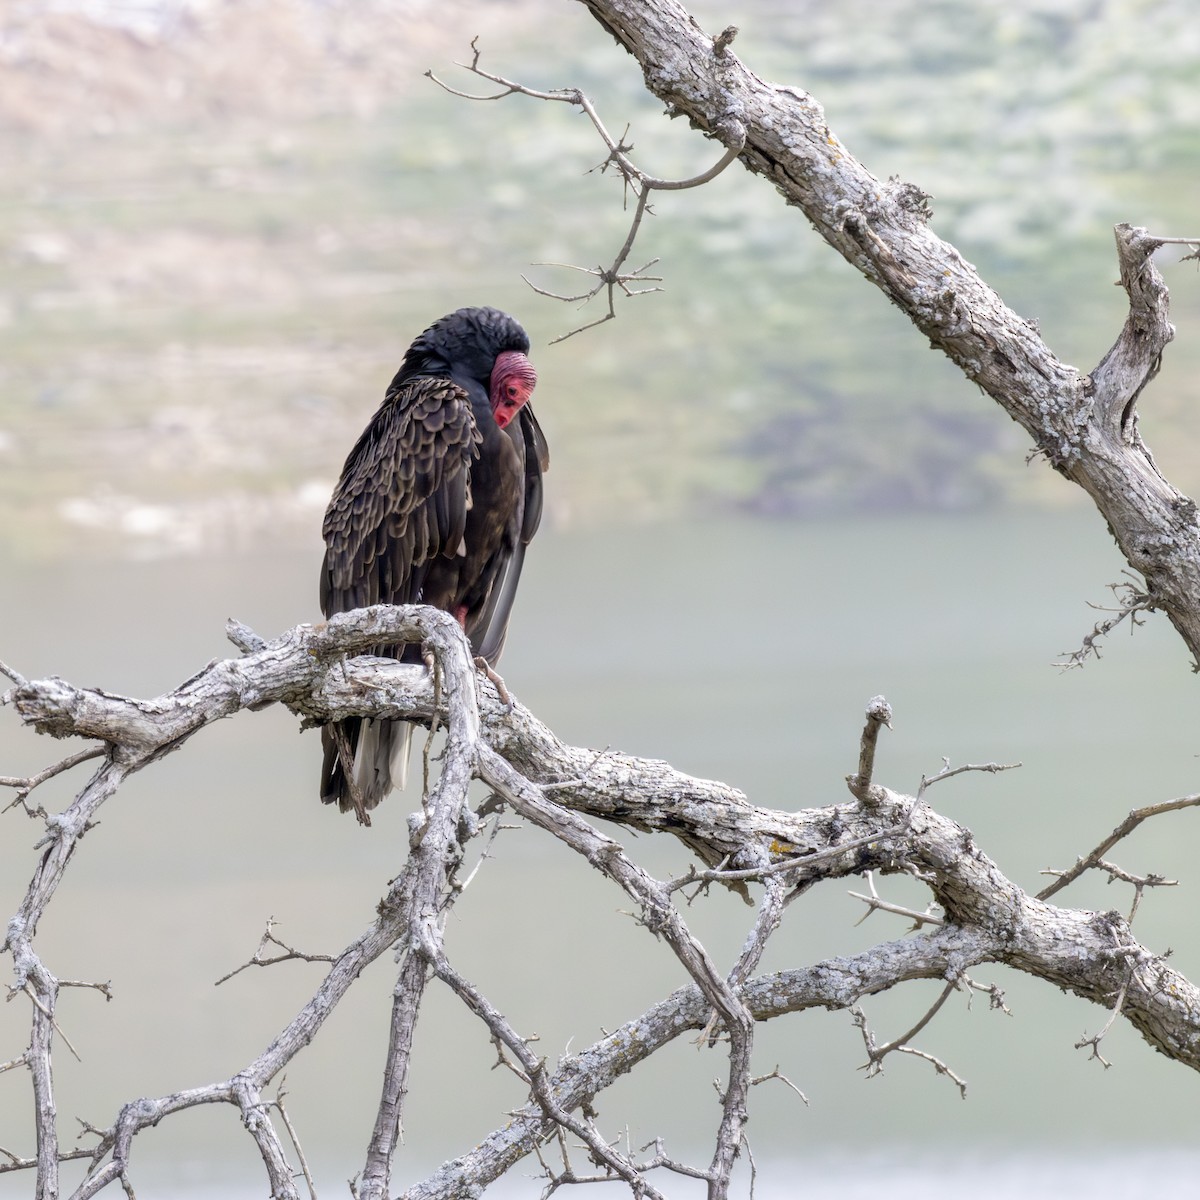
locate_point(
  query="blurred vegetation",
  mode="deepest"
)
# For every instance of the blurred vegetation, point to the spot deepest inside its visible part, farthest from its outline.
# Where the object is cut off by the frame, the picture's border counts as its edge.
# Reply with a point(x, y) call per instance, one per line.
point(227, 222)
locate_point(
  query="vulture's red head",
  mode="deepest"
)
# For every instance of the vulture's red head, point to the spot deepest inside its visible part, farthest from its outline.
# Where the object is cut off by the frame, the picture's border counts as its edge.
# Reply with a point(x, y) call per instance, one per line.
point(512, 383)
point(483, 345)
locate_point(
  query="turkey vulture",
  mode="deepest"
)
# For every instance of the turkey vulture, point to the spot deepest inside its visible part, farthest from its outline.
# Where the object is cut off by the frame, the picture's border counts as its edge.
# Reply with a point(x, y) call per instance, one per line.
point(436, 504)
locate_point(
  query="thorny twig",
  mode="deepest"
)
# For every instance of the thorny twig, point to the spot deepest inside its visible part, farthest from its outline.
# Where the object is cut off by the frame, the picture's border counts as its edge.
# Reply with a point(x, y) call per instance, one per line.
point(778, 1074)
point(1178, 241)
point(1133, 598)
point(660, 1161)
point(876, 1054)
point(756, 874)
point(1096, 1039)
point(26, 785)
point(948, 772)
point(49, 1015)
point(277, 1104)
point(1140, 883)
point(460, 886)
point(993, 991)
point(641, 184)
point(289, 953)
point(1126, 827)
point(17, 1163)
point(873, 902)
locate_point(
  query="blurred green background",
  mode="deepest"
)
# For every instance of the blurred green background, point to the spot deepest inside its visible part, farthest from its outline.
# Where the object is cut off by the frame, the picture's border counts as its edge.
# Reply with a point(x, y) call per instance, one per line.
point(220, 229)
point(220, 226)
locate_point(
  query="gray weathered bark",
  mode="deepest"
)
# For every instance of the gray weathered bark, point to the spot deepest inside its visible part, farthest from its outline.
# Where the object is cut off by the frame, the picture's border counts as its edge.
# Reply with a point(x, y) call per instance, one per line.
point(1084, 423)
point(1086, 426)
point(984, 917)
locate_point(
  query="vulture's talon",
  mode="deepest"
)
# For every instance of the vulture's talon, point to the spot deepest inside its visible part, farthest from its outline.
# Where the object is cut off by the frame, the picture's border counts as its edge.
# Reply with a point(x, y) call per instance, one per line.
point(497, 683)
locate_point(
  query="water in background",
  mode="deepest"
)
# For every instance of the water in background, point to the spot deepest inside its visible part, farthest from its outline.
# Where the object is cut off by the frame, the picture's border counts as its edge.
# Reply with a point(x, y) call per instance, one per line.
point(741, 651)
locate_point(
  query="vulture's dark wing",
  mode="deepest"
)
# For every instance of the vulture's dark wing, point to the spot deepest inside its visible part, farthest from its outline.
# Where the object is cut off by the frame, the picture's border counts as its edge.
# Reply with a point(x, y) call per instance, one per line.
point(402, 499)
point(401, 502)
point(535, 454)
point(537, 463)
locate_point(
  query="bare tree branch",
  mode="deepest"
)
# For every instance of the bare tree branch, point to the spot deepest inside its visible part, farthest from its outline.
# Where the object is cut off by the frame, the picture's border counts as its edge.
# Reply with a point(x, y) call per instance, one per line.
point(288, 954)
point(1085, 423)
point(1126, 827)
point(1086, 426)
point(26, 785)
point(986, 918)
point(948, 772)
point(1096, 1039)
point(637, 181)
point(1132, 599)
point(876, 1054)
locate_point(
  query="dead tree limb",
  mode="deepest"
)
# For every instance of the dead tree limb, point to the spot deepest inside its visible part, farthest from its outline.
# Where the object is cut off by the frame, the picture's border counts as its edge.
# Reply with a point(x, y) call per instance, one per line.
point(1084, 423)
point(986, 918)
point(1086, 426)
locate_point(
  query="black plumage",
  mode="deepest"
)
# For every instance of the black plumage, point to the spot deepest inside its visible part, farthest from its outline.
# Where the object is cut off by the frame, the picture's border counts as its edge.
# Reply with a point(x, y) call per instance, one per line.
point(436, 504)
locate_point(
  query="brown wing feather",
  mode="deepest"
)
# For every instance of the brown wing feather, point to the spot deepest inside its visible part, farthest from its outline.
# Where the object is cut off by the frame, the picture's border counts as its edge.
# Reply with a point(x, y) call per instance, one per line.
point(491, 625)
point(401, 502)
point(403, 496)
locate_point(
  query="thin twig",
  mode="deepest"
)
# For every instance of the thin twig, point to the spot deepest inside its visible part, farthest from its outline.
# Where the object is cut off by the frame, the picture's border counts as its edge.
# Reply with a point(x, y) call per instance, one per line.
point(948, 772)
point(1133, 597)
point(484, 855)
point(48, 1013)
point(993, 991)
point(26, 785)
point(778, 1074)
point(287, 1124)
point(755, 874)
point(346, 761)
point(105, 989)
point(904, 1039)
point(1126, 827)
point(639, 182)
point(1095, 1041)
point(581, 778)
point(873, 902)
point(289, 953)
point(16, 1163)
point(876, 1054)
point(1140, 883)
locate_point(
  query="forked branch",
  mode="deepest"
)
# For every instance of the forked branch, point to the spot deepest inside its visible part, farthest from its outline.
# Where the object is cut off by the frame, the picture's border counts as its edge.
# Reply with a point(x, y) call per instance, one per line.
point(640, 183)
point(985, 917)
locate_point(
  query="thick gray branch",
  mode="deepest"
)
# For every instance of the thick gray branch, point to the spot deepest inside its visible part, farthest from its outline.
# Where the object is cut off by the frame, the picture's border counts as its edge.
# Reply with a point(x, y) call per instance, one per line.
point(987, 918)
point(1085, 424)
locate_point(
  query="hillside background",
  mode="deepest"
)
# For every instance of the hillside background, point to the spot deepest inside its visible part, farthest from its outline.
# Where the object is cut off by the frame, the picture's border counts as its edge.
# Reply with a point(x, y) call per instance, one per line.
point(220, 225)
